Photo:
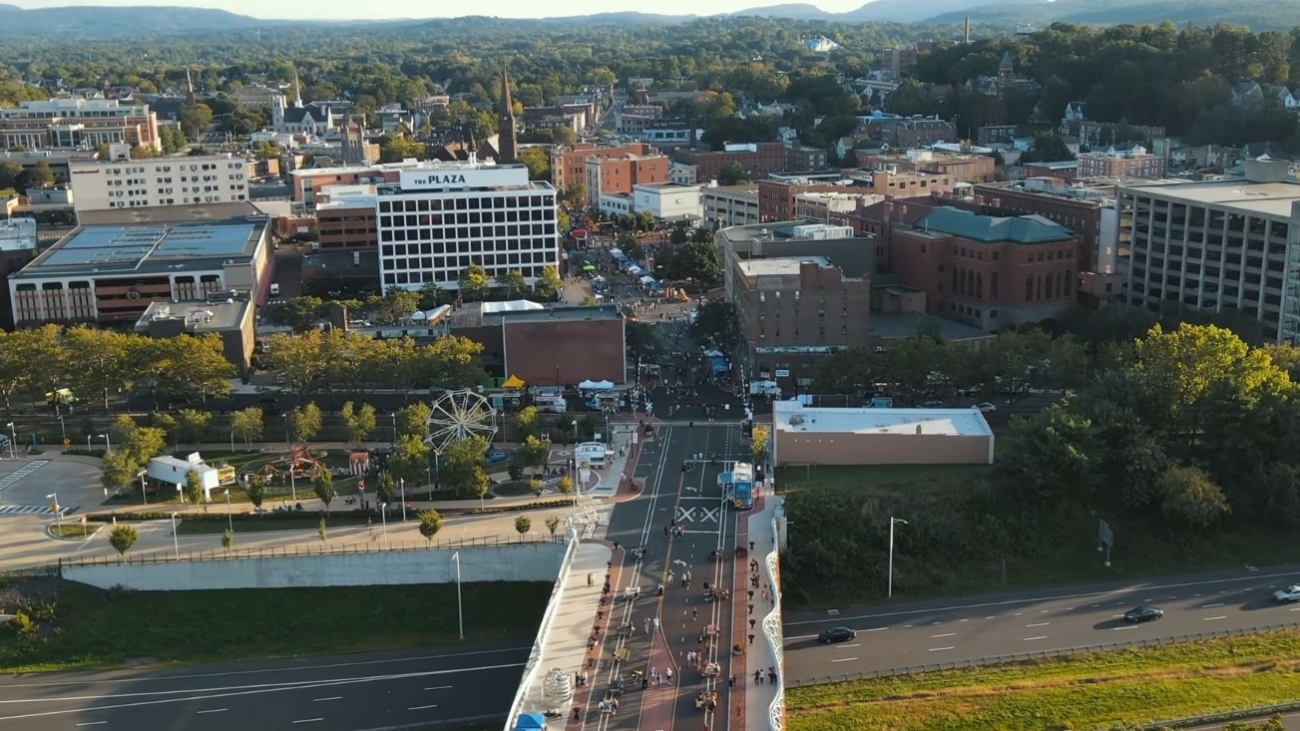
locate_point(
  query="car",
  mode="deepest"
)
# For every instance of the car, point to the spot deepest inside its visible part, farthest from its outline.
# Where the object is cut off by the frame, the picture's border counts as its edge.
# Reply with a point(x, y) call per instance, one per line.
point(932, 405)
point(986, 407)
point(1287, 595)
point(836, 634)
point(1143, 614)
point(495, 456)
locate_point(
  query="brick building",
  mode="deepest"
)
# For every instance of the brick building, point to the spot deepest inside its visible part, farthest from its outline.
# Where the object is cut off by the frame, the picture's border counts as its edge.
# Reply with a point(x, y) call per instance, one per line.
point(759, 159)
point(608, 175)
point(569, 163)
point(776, 197)
point(1088, 211)
point(985, 271)
point(546, 346)
point(960, 168)
point(74, 124)
point(1133, 163)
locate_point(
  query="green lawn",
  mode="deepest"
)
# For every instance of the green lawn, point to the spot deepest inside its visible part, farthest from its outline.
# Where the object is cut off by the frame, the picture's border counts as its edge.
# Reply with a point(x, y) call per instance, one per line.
point(249, 524)
point(93, 628)
point(73, 530)
point(1081, 692)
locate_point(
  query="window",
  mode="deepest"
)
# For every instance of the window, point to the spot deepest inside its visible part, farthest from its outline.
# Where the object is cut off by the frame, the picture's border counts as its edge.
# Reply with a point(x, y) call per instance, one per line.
point(993, 285)
point(1029, 287)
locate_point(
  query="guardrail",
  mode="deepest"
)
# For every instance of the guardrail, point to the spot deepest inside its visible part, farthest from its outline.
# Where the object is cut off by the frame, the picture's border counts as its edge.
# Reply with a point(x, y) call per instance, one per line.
point(1243, 714)
point(772, 633)
point(548, 618)
point(1039, 655)
point(50, 571)
point(218, 554)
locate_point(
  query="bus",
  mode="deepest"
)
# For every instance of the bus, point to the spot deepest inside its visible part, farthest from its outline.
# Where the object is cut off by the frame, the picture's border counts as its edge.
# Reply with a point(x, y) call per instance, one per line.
point(739, 483)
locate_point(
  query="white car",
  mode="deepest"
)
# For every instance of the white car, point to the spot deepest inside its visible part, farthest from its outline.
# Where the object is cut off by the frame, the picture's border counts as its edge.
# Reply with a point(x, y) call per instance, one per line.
point(986, 407)
point(1287, 595)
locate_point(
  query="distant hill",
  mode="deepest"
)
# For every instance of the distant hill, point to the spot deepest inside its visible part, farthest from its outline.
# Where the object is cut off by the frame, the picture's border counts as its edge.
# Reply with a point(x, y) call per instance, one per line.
point(106, 22)
point(914, 11)
point(1259, 15)
point(793, 11)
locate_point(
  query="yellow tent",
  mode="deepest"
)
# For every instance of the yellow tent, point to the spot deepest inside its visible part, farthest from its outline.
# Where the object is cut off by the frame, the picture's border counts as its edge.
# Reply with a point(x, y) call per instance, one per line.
point(512, 382)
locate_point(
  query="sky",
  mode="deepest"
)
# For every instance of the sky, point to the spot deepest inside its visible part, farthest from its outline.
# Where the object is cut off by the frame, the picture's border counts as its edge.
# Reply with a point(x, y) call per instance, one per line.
point(351, 10)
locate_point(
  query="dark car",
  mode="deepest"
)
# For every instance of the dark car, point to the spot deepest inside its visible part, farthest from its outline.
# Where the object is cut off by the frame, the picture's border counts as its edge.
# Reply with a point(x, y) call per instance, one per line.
point(1143, 614)
point(836, 634)
point(496, 456)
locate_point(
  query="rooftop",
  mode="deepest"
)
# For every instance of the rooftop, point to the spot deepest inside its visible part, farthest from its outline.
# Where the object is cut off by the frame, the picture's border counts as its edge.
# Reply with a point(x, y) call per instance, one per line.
point(1270, 199)
point(776, 267)
point(889, 325)
point(207, 213)
point(787, 230)
point(991, 229)
point(199, 317)
point(794, 417)
point(145, 248)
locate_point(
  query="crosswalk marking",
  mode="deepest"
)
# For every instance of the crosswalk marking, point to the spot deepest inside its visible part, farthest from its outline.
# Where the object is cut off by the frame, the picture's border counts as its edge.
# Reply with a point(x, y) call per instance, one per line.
point(29, 510)
point(22, 472)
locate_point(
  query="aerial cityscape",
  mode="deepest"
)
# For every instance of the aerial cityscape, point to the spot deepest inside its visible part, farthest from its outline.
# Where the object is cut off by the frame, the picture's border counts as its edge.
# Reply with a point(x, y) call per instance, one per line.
point(892, 366)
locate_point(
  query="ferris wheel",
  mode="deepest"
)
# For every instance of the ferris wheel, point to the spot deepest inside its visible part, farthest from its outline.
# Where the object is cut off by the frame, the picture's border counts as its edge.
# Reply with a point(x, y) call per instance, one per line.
point(458, 415)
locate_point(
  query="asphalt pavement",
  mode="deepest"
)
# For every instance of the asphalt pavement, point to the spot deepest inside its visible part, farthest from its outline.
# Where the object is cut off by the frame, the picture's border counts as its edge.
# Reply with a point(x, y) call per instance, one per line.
point(691, 500)
point(344, 693)
point(961, 630)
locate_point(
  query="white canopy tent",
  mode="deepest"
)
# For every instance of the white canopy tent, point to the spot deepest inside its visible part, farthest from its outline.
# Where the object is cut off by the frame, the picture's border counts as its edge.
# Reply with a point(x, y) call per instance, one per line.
point(596, 385)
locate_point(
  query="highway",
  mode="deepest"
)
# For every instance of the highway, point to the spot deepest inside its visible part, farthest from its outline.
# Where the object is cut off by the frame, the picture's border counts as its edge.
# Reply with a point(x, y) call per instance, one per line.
point(345, 693)
point(977, 628)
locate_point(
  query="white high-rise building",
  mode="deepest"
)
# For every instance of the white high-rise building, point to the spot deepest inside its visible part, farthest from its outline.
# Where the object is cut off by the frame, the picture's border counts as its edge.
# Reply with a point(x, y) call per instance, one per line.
point(101, 185)
point(441, 217)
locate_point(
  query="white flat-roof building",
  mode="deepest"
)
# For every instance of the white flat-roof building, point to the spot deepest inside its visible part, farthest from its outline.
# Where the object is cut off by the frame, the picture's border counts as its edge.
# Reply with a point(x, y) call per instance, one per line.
point(730, 205)
point(101, 185)
point(668, 201)
point(441, 217)
point(863, 436)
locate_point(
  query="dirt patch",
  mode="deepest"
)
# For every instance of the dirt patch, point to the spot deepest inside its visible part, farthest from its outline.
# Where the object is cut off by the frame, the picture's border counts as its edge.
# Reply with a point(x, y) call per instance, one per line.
point(17, 593)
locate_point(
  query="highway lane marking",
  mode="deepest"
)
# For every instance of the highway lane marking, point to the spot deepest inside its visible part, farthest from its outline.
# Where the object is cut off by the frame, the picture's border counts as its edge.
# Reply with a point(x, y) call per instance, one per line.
point(331, 698)
point(235, 691)
point(439, 687)
point(845, 647)
point(1017, 614)
point(966, 620)
point(1044, 611)
point(844, 659)
point(1297, 609)
point(1038, 624)
point(939, 649)
point(876, 629)
point(215, 710)
point(1211, 606)
point(907, 626)
point(993, 617)
point(420, 708)
point(1207, 619)
point(1068, 609)
point(946, 634)
point(92, 723)
point(1031, 639)
point(358, 663)
point(309, 720)
point(934, 623)
point(1131, 626)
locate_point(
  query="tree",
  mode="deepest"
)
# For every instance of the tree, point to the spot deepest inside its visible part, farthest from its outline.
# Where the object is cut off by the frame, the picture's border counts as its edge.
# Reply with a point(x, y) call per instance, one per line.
point(195, 120)
point(193, 488)
point(410, 460)
point(514, 282)
point(322, 529)
point(386, 489)
point(697, 260)
point(536, 486)
point(460, 468)
point(10, 171)
point(631, 247)
point(564, 485)
point(553, 525)
point(304, 423)
point(122, 537)
point(430, 524)
point(117, 469)
point(191, 425)
point(538, 162)
point(359, 424)
point(255, 488)
point(40, 175)
point(413, 418)
point(715, 325)
point(473, 282)
point(247, 424)
point(227, 539)
point(733, 173)
point(526, 423)
point(1052, 456)
point(523, 524)
point(323, 486)
point(548, 285)
point(1190, 497)
point(1047, 147)
point(300, 313)
point(758, 446)
point(533, 452)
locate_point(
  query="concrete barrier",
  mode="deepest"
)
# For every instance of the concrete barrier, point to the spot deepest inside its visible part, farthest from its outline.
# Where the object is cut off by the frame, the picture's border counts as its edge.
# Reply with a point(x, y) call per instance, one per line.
point(518, 562)
point(548, 620)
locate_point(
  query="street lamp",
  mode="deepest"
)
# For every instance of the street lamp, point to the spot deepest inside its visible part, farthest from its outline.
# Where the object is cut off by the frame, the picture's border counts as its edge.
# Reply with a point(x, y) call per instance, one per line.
point(63, 428)
point(143, 495)
point(395, 439)
point(892, 522)
point(58, 514)
point(176, 542)
point(460, 608)
point(401, 485)
point(383, 515)
point(108, 444)
point(230, 520)
point(13, 439)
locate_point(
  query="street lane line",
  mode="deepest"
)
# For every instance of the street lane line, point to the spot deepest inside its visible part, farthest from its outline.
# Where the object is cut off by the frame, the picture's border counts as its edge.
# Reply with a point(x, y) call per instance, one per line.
point(966, 620)
point(309, 720)
point(946, 634)
point(933, 623)
point(1131, 626)
point(92, 723)
point(419, 708)
point(844, 659)
point(845, 647)
point(993, 617)
point(216, 710)
point(1031, 639)
point(1297, 609)
point(1038, 624)
point(939, 649)
point(331, 698)
point(1211, 606)
point(1207, 619)
point(907, 626)
point(1044, 611)
point(876, 629)
point(439, 687)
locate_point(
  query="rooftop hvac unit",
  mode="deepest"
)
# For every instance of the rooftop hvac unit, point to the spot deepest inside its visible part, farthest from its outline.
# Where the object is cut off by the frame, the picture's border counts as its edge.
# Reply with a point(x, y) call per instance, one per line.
point(162, 313)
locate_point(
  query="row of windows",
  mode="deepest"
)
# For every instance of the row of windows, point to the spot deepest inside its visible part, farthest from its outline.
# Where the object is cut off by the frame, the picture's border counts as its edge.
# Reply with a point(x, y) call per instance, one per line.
point(969, 311)
point(1048, 286)
point(466, 247)
point(471, 233)
point(438, 219)
point(821, 332)
point(186, 200)
point(455, 262)
point(467, 203)
point(423, 277)
point(194, 167)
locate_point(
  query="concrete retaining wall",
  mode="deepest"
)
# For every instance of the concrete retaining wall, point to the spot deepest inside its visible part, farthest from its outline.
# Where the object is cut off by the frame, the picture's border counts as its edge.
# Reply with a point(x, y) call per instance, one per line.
point(525, 562)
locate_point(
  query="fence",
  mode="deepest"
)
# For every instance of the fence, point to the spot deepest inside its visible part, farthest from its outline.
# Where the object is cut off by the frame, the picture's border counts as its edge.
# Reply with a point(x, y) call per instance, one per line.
point(374, 546)
point(33, 572)
point(1020, 657)
point(1244, 714)
point(548, 618)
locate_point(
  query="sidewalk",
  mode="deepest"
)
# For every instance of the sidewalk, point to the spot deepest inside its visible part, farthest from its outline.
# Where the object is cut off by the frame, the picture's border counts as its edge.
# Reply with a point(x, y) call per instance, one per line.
point(625, 441)
point(765, 652)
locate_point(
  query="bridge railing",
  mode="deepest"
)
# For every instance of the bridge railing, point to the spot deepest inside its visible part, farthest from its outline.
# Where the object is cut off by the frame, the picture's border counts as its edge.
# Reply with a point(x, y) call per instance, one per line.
point(772, 631)
point(1038, 655)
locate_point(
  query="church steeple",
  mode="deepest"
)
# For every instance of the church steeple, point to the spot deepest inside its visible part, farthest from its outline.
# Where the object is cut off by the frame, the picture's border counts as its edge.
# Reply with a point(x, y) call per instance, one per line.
point(507, 144)
point(189, 87)
point(297, 90)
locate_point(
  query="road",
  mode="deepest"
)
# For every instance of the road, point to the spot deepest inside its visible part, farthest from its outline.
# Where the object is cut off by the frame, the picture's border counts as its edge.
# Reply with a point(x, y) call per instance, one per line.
point(978, 628)
point(694, 500)
point(346, 693)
